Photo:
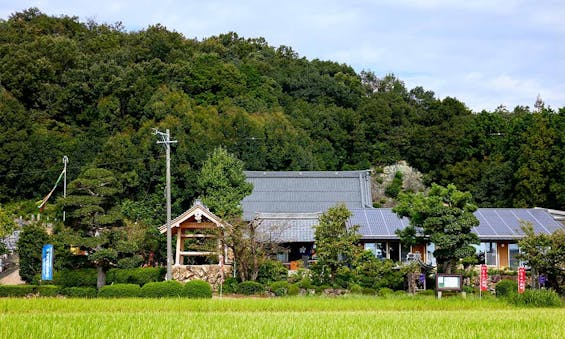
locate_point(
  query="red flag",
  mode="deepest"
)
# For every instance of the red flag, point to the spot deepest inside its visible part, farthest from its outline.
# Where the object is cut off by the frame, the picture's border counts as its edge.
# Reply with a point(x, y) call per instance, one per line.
point(521, 280)
point(484, 278)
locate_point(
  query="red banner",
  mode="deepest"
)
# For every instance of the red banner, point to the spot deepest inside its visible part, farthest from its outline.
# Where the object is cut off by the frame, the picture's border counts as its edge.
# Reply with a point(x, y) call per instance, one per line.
point(521, 280)
point(484, 278)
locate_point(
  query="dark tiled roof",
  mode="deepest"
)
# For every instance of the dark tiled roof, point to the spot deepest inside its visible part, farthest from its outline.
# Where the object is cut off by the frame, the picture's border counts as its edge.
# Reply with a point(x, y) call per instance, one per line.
point(305, 192)
point(287, 227)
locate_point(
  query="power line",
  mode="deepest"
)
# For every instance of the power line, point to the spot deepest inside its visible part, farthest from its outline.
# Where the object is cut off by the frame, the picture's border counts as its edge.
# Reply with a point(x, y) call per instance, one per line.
point(78, 166)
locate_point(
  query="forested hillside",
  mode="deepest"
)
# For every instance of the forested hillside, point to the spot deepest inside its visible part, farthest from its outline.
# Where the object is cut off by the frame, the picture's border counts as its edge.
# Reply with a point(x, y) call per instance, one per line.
point(94, 92)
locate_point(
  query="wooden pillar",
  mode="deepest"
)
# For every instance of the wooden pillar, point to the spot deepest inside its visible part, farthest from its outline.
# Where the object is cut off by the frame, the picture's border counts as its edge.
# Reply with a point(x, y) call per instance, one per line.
point(179, 249)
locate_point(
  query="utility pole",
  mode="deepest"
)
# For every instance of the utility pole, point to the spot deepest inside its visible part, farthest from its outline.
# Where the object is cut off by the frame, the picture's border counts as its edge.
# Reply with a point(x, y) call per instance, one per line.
point(166, 141)
point(65, 162)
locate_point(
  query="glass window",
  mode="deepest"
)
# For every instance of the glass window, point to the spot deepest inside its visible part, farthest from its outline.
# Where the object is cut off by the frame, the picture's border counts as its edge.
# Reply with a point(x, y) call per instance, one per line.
point(486, 252)
point(404, 250)
point(377, 248)
point(430, 259)
point(394, 251)
point(513, 251)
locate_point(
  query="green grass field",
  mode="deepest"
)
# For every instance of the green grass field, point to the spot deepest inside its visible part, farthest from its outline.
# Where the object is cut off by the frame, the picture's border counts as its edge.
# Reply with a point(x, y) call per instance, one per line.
point(302, 317)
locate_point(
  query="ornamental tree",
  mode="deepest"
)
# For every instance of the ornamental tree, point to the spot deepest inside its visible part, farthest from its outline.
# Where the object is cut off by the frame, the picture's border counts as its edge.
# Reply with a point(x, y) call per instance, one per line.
point(336, 243)
point(95, 218)
point(444, 217)
point(545, 254)
point(223, 184)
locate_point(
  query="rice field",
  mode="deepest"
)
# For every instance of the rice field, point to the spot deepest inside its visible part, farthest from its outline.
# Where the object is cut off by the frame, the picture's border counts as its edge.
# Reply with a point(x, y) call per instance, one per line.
point(300, 317)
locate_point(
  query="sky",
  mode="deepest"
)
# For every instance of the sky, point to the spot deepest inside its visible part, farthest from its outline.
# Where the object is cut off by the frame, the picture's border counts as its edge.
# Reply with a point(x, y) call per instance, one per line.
point(486, 53)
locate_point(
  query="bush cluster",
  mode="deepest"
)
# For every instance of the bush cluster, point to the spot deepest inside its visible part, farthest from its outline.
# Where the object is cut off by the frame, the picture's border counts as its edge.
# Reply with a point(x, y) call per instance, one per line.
point(139, 276)
point(197, 289)
point(271, 271)
point(505, 288)
point(162, 289)
point(230, 285)
point(250, 288)
point(120, 291)
point(85, 277)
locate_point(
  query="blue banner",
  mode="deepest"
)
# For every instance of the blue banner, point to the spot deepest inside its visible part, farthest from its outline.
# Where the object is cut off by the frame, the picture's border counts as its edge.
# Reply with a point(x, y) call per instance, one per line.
point(47, 262)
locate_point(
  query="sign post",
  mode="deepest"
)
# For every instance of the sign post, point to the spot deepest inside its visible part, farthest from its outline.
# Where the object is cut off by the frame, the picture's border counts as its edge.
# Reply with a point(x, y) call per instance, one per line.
point(521, 280)
point(47, 262)
point(483, 280)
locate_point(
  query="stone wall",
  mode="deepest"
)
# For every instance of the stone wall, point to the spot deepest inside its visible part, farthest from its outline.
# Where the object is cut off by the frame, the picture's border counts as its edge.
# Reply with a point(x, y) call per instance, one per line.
point(209, 273)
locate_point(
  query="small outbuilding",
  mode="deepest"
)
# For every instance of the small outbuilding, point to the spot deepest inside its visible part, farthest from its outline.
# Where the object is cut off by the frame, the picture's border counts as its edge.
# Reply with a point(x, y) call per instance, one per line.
point(200, 252)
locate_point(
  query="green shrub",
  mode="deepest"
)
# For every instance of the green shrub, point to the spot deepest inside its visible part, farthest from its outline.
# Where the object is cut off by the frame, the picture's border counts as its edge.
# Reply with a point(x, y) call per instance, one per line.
point(293, 289)
point(120, 291)
point(139, 276)
point(385, 291)
point(130, 262)
point(271, 271)
point(16, 290)
point(250, 287)
point(197, 289)
point(505, 288)
point(48, 290)
point(356, 289)
point(85, 277)
point(305, 283)
point(230, 285)
point(400, 292)
point(79, 292)
point(368, 291)
point(162, 289)
point(393, 189)
point(279, 288)
point(536, 298)
point(468, 289)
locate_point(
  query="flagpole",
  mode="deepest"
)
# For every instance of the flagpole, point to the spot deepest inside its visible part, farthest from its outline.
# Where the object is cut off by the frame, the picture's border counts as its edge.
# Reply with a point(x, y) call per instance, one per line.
point(65, 161)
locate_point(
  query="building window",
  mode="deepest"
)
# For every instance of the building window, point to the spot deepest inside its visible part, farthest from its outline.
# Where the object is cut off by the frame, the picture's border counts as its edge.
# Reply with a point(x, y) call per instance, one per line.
point(377, 248)
point(486, 253)
point(513, 251)
point(282, 257)
point(393, 251)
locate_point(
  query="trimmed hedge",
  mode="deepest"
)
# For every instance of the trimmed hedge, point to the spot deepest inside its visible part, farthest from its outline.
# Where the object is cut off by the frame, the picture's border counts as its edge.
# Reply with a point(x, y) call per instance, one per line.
point(139, 276)
point(48, 290)
point(16, 290)
point(197, 289)
point(120, 291)
point(79, 292)
point(162, 289)
point(85, 277)
point(250, 287)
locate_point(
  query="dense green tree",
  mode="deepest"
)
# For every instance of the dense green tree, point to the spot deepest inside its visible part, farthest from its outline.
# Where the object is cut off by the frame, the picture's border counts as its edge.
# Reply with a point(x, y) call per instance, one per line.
point(545, 254)
point(30, 246)
point(223, 184)
point(95, 217)
point(93, 92)
point(444, 217)
point(336, 242)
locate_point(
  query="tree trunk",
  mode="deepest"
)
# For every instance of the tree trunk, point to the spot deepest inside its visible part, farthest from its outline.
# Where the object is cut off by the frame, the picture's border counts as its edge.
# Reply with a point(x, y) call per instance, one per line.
point(101, 278)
